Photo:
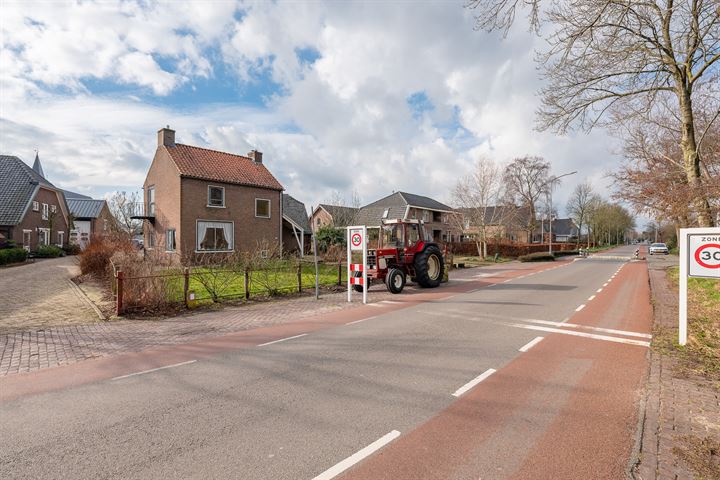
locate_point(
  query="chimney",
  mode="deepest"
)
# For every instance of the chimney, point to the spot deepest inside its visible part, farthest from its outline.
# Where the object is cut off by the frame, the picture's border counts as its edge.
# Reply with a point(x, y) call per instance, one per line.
point(255, 156)
point(166, 137)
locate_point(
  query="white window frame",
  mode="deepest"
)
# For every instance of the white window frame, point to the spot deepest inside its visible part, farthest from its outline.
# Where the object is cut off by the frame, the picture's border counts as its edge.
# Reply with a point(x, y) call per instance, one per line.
point(29, 232)
point(151, 200)
point(231, 242)
point(174, 240)
point(45, 211)
point(36, 206)
point(43, 234)
point(269, 215)
point(53, 208)
point(61, 238)
point(223, 196)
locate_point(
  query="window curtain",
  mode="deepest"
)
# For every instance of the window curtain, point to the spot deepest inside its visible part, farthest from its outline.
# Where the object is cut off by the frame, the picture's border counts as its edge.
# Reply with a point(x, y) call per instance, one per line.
point(215, 236)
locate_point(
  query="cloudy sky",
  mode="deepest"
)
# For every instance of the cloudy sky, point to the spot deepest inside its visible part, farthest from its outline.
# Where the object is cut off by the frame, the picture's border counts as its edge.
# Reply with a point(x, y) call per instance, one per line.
point(373, 96)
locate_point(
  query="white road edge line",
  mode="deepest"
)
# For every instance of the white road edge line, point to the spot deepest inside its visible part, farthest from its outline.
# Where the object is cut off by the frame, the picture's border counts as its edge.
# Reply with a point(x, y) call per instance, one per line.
point(361, 320)
point(580, 307)
point(591, 298)
point(605, 284)
point(530, 344)
point(598, 290)
point(154, 369)
point(337, 469)
point(474, 382)
point(582, 334)
point(282, 340)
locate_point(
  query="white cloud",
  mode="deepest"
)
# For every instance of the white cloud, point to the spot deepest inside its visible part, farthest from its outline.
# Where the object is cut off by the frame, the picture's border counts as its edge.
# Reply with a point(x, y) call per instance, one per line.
point(341, 123)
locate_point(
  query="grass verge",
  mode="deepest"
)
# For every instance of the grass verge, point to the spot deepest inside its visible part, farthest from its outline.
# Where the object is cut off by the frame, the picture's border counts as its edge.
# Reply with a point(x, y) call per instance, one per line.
point(701, 355)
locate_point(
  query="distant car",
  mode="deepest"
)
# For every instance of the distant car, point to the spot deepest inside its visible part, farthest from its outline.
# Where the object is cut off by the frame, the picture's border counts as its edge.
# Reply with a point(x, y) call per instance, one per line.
point(658, 248)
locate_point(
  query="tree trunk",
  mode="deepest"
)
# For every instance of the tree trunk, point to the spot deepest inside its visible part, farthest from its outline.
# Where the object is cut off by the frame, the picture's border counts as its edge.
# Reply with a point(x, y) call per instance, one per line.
point(691, 160)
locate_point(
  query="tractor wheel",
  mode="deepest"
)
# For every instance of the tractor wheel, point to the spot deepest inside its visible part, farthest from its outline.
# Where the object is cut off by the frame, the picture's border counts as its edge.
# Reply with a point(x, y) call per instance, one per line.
point(429, 267)
point(358, 288)
point(395, 280)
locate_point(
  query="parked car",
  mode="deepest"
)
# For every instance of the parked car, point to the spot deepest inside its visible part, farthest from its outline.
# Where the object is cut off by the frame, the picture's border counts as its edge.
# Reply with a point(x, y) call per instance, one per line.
point(658, 248)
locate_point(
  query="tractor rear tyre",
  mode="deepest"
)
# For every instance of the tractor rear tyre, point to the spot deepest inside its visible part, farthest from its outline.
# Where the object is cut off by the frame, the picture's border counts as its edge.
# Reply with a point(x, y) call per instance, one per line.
point(358, 288)
point(395, 280)
point(429, 267)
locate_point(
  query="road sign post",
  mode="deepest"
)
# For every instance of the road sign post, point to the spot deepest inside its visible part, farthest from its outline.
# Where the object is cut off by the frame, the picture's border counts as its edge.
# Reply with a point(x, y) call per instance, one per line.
point(699, 257)
point(357, 241)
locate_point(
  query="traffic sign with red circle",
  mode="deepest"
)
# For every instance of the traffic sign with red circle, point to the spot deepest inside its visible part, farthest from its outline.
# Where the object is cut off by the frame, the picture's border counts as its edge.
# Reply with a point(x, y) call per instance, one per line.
point(704, 255)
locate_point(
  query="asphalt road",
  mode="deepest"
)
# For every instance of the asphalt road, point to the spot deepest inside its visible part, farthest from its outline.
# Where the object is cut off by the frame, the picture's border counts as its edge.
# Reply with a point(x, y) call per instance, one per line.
point(298, 408)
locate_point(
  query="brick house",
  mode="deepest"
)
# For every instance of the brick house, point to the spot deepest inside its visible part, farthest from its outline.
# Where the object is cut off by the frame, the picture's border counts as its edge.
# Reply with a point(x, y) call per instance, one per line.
point(199, 200)
point(331, 215)
point(90, 218)
point(33, 212)
point(502, 223)
point(441, 221)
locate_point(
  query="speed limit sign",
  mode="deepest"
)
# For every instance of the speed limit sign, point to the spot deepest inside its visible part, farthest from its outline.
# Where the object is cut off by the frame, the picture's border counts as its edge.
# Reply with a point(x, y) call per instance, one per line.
point(704, 255)
point(699, 257)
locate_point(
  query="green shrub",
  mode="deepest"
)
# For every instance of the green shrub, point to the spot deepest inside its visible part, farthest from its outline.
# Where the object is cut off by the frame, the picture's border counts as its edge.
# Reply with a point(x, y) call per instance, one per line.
point(565, 253)
point(329, 236)
point(49, 251)
point(537, 257)
point(72, 249)
point(12, 255)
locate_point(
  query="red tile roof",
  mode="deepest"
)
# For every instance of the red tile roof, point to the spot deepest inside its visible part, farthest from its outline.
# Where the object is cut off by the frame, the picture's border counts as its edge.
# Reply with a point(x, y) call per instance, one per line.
point(225, 167)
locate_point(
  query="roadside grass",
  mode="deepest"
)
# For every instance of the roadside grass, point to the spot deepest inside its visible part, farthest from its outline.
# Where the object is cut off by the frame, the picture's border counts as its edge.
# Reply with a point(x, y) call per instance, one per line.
point(476, 261)
point(701, 355)
point(701, 454)
point(282, 279)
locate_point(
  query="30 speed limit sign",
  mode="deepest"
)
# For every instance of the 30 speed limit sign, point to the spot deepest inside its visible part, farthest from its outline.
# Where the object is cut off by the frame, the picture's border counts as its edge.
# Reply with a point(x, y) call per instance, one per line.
point(704, 255)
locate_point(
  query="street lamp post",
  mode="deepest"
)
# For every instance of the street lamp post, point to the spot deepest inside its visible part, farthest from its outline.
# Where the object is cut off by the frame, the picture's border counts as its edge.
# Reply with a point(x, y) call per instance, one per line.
point(552, 182)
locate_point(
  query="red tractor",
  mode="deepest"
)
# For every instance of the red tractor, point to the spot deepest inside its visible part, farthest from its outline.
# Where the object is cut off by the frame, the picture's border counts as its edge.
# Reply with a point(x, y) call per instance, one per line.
point(404, 249)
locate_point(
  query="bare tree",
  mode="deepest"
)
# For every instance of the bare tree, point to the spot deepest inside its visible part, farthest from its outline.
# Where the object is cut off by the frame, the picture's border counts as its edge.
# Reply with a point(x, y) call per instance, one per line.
point(578, 205)
point(479, 196)
point(122, 206)
point(345, 214)
point(526, 180)
point(627, 55)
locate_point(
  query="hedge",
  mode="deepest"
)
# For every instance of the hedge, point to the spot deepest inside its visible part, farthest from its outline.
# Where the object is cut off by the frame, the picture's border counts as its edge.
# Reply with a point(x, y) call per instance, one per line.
point(537, 257)
point(49, 251)
point(12, 255)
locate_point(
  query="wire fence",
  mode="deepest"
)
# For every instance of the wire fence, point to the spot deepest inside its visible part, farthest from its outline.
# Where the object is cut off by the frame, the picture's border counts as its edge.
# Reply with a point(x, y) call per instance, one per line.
point(195, 286)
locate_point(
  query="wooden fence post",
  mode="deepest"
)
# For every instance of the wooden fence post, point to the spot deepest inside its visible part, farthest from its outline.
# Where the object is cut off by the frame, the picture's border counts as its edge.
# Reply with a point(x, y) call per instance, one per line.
point(340, 269)
point(247, 284)
point(186, 285)
point(299, 276)
point(119, 304)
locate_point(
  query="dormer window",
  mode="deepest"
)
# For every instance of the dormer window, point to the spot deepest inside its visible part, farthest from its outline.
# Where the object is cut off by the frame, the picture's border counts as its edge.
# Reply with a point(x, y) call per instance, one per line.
point(216, 196)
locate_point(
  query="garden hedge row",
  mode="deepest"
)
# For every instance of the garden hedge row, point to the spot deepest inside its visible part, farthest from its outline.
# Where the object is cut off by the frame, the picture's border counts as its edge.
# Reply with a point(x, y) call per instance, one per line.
point(12, 255)
point(537, 257)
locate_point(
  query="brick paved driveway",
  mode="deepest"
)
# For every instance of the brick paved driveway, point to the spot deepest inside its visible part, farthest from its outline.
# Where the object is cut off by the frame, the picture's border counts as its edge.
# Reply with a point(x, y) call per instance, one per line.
point(40, 295)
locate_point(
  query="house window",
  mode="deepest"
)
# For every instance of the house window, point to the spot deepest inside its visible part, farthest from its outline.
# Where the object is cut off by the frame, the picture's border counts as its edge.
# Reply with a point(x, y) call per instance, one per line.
point(151, 200)
point(151, 239)
point(36, 206)
point(45, 214)
point(216, 196)
point(427, 215)
point(27, 237)
point(53, 209)
point(386, 213)
point(215, 236)
point(44, 236)
point(262, 208)
point(317, 221)
point(61, 238)
point(170, 240)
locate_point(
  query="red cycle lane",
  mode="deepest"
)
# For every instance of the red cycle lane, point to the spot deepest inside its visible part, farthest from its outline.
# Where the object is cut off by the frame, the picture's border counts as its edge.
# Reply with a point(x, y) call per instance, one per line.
point(566, 409)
